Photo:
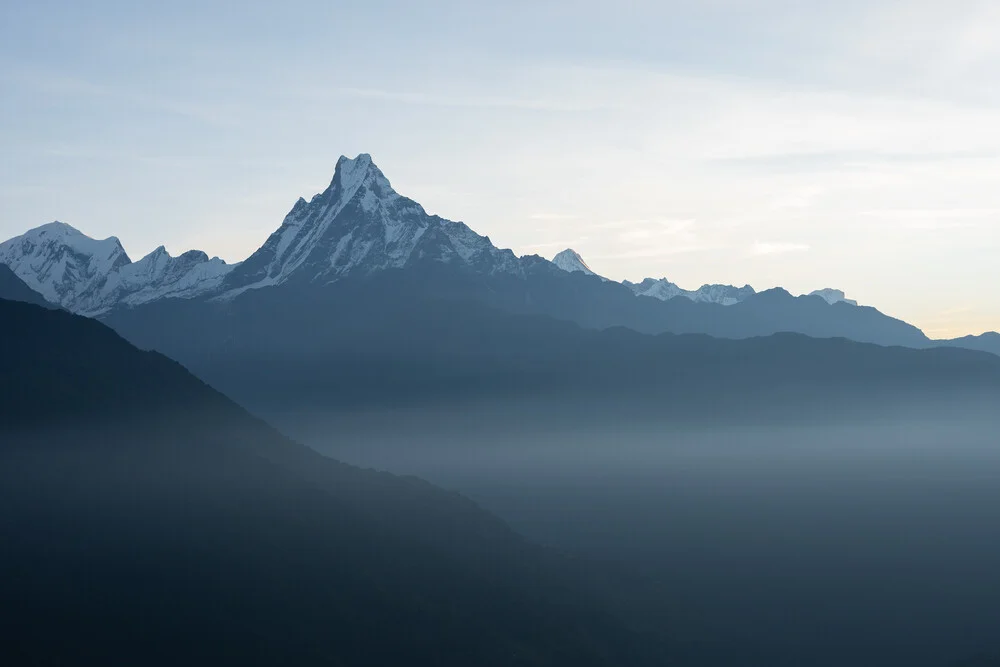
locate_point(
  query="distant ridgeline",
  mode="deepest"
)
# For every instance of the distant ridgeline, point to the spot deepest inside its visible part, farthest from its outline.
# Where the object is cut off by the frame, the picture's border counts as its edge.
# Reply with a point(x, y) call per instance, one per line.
point(361, 278)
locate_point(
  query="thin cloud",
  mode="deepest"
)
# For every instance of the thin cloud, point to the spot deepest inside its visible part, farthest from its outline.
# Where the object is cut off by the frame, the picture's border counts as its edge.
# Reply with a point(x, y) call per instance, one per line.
point(777, 248)
point(553, 216)
point(459, 100)
point(562, 245)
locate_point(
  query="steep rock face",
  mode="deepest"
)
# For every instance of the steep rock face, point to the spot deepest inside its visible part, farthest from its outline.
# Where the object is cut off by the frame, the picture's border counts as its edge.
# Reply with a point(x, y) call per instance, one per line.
point(360, 225)
point(90, 277)
point(160, 276)
point(62, 264)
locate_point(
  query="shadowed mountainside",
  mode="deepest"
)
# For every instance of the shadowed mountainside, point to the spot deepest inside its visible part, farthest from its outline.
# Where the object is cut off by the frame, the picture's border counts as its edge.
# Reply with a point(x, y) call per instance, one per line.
point(13, 288)
point(378, 341)
point(147, 519)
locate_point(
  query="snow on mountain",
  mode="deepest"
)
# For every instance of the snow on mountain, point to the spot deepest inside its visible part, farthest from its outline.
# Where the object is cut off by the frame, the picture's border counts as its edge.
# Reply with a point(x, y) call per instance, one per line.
point(570, 261)
point(359, 225)
point(832, 296)
point(727, 295)
point(159, 276)
point(664, 290)
point(90, 277)
point(61, 263)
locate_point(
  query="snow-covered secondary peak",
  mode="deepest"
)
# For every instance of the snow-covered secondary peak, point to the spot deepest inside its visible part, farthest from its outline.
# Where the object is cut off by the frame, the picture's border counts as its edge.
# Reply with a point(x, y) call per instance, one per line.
point(832, 296)
point(570, 260)
point(158, 275)
point(359, 225)
point(90, 277)
point(664, 290)
point(61, 263)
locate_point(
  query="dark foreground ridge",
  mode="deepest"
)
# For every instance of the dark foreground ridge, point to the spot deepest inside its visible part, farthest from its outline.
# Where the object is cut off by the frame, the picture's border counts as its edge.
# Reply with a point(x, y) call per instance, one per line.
point(148, 520)
point(13, 288)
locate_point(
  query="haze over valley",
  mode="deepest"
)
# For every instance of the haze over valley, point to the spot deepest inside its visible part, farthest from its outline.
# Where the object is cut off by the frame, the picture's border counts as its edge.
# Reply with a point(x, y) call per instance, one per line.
point(787, 473)
point(649, 335)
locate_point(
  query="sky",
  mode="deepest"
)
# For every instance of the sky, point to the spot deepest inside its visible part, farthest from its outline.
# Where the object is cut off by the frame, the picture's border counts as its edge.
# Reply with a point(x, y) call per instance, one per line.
point(849, 144)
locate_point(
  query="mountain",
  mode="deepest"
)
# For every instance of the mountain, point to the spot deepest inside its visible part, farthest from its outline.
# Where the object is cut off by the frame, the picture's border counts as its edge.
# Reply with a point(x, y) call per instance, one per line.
point(62, 264)
point(160, 276)
point(360, 225)
point(832, 296)
point(664, 290)
point(570, 261)
point(146, 519)
point(724, 295)
point(384, 341)
point(360, 228)
point(987, 342)
point(13, 288)
point(90, 277)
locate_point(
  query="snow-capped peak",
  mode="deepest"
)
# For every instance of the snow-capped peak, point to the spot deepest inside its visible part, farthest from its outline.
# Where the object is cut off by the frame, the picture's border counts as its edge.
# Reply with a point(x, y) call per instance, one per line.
point(90, 277)
point(832, 296)
point(359, 224)
point(570, 260)
point(158, 275)
point(353, 173)
point(61, 263)
point(664, 290)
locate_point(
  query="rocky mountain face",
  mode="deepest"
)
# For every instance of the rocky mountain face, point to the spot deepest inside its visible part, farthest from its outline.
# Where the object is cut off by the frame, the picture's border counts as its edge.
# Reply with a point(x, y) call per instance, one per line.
point(664, 290)
point(90, 277)
point(62, 264)
point(357, 226)
point(360, 225)
point(360, 228)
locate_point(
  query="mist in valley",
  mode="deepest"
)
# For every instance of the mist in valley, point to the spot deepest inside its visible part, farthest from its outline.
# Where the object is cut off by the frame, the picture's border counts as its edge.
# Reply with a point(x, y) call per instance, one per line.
point(856, 539)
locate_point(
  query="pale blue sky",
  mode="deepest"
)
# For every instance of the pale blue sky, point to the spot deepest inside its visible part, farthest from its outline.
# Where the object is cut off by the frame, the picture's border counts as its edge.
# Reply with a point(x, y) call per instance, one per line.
point(804, 144)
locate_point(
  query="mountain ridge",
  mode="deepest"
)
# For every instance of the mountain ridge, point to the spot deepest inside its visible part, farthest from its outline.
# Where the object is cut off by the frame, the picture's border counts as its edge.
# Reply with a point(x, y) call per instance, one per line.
point(156, 522)
point(399, 344)
point(12, 288)
point(90, 277)
point(359, 225)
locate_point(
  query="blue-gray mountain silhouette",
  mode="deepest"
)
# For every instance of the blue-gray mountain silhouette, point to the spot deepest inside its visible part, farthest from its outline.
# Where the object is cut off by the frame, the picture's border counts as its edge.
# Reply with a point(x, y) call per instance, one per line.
point(146, 519)
point(13, 288)
point(360, 226)
point(384, 340)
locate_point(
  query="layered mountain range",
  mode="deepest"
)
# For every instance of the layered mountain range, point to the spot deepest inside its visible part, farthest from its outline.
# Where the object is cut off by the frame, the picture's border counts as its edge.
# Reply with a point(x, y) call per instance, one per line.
point(91, 277)
point(360, 227)
point(152, 521)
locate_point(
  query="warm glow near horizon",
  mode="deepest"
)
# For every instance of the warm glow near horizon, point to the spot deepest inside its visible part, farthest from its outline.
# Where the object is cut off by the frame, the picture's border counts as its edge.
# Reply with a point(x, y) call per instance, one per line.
point(852, 146)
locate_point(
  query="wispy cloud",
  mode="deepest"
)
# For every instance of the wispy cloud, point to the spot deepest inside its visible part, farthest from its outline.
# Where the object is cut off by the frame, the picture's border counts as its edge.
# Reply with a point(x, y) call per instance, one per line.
point(654, 251)
point(760, 248)
point(77, 88)
point(554, 217)
point(561, 245)
point(469, 99)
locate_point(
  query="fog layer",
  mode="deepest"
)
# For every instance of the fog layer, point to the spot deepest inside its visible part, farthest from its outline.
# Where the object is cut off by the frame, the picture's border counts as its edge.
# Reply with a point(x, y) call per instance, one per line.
point(850, 540)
